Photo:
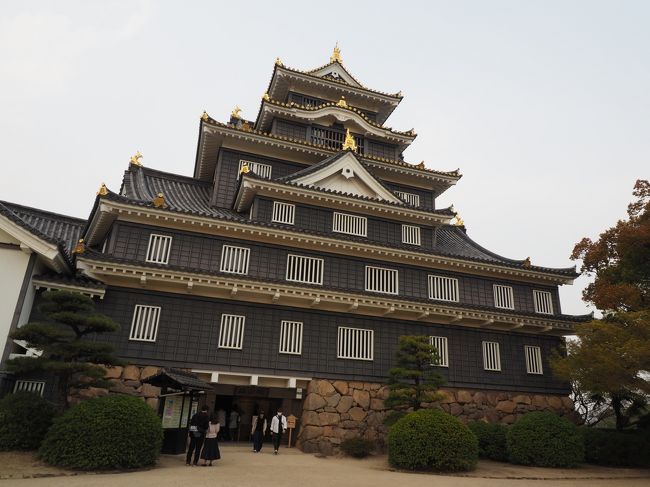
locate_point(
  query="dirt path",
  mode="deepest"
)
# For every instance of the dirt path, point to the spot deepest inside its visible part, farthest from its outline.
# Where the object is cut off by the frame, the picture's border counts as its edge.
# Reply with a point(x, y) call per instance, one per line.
point(240, 467)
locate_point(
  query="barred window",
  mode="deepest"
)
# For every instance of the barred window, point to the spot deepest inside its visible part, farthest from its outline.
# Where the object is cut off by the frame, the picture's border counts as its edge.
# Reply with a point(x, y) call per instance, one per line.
point(283, 212)
point(382, 280)
point(291, 337)
point(543, 302)
point(144, 326)
point(158, 249)
point(234, 260)
point(355, 343)
point(35, 386)
point(440, 344)
point(350, 224)
point(231, 331)
point(291, 130)
point(411, 234)
point(443, 288)
point(533, 359)
point(503, 297)
point(262, 170)
point(491, 357)
point(308, 270)
point(410, 198)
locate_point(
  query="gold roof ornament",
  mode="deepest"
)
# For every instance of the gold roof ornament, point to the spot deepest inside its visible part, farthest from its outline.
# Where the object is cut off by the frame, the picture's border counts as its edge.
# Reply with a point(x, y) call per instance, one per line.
point(266, 97)
point(80, 248)
point(236, 112)
point(159, 201)
point(349, 143)
point(103, 190)
point(244, 168)
point(459, 221)
point(336, 54)
point(278, 62)
point(421, 165)
point(342, 103)
point(246, 126)
point(205, 116)
point(527, 262)
point(135, 159)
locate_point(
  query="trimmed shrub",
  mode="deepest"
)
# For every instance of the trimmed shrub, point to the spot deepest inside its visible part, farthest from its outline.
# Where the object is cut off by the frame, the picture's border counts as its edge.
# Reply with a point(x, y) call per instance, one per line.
point(430, 439)
point(546, 440)
point(111, 432)
point(392, 417)
point(492, 442)
point(25, 418)
point(357, 447)
point(616, 448)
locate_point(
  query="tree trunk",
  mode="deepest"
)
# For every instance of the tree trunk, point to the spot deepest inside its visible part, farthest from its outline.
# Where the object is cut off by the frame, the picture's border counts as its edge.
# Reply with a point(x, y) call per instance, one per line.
point(617, 406)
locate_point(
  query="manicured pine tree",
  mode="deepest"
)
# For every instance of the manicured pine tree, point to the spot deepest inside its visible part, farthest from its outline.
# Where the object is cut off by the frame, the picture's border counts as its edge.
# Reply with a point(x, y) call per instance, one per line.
point(63, 337)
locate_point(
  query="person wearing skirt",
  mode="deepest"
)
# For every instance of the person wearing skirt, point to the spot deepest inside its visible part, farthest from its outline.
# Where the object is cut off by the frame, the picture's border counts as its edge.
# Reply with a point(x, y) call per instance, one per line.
point(211, 447)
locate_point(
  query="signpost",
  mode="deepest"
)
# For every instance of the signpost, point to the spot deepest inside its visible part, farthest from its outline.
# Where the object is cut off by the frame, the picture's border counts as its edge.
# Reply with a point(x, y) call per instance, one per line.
point(291, 424)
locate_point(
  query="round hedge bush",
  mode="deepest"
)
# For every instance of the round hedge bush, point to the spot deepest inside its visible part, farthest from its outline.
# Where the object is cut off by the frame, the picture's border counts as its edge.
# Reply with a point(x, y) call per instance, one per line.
point(25, 417)
point(546, 440)
point(111, 432)
point(430, 439)
point(491, 440)
point(616, 448)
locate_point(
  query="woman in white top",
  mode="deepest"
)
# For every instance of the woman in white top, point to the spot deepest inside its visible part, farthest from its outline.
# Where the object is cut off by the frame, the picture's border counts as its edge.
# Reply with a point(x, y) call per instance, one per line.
point(211, 447)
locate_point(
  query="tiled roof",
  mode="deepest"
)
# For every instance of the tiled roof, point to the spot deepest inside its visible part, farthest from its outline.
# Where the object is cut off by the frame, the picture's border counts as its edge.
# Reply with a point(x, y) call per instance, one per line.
point(76, 280)
point(178, 379)
point(62, 230)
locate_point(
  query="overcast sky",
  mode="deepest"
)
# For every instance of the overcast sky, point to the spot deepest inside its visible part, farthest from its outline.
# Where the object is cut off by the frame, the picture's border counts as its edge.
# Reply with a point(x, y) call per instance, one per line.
point(544, 106)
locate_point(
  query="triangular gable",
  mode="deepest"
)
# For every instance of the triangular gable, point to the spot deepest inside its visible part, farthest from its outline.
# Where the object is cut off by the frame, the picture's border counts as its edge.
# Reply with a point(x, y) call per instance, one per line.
point(336, 71)
point(345, 174)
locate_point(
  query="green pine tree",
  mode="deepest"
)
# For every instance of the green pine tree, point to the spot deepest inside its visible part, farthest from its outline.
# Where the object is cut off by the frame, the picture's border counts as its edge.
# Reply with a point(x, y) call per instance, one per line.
point(414, 379)
point(64, 340)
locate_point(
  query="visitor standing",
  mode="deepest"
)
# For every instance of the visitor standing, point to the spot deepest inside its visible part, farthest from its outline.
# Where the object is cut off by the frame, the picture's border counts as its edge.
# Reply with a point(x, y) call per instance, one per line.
point(199, 425)
point(278, 427)
point(211, 447)
point(233, 423)
point(258, 431)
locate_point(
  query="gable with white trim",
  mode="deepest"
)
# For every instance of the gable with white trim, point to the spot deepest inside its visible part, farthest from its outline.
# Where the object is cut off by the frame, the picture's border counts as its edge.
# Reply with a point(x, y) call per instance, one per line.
point(338, 72)
point(347, 175)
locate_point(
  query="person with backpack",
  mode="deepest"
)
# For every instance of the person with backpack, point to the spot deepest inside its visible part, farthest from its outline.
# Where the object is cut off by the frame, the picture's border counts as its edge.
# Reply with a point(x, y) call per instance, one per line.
point(278, 427)
point(199, 425)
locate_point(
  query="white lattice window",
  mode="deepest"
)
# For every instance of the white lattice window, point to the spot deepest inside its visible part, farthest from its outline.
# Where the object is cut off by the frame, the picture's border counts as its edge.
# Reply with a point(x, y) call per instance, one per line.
point(443, 288)
point(350, 224)
point(382, 280)
point(440, 344)
point(410, 198)
point(543, 302)
point(144, 326)
point(411, 234)
point(231, 331)
point(158, 249)
point(503, 297)
point(355, 343)
point(308, 270)
point(262, 170)
point(291, 337)
point(34, 386)
point(283, 213)
point(491, 356)
point(533, 359)
point(234, 260)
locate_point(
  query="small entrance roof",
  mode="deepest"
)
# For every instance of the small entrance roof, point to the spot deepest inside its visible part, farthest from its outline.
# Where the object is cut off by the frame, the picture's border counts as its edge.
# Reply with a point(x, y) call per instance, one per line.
point(178, 380)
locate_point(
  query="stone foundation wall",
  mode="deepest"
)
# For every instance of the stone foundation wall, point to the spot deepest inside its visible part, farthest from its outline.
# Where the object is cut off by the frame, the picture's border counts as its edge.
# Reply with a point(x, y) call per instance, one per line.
point(123, 380)
point(335, 410)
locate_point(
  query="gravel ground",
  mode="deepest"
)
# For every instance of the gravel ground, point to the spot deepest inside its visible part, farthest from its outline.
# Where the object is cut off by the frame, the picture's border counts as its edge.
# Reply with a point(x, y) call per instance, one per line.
point(239, 467)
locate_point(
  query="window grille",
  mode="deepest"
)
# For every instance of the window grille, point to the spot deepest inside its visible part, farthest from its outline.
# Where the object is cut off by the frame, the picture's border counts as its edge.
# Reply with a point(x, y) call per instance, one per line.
point(378, 149)
point(410, 198)
point(35, 386)
point(234, 260)
point(443, 288)
point(411, 234)
point(308, 270)
point(159, 248)
point(231, 331)
point(333, 138)
point(350, 224)
point(355, 343)
point(543, 302)
point(381, 280)
point(503, 297)
point(283, 213)
point(440, 343)
point(491, 357)
point(144, 326)
point(533, 360)
point(291, 337)
point(291, 130)
point(260, 169)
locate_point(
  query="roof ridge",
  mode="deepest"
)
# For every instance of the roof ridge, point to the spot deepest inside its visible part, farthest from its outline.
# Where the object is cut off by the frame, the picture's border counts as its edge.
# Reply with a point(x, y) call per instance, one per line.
point(9, 205)
point(170, 175)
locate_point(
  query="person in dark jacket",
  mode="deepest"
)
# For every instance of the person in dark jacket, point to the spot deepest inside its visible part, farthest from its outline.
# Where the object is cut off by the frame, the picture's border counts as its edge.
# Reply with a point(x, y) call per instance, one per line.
point(258, 431)
point(199, 425)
